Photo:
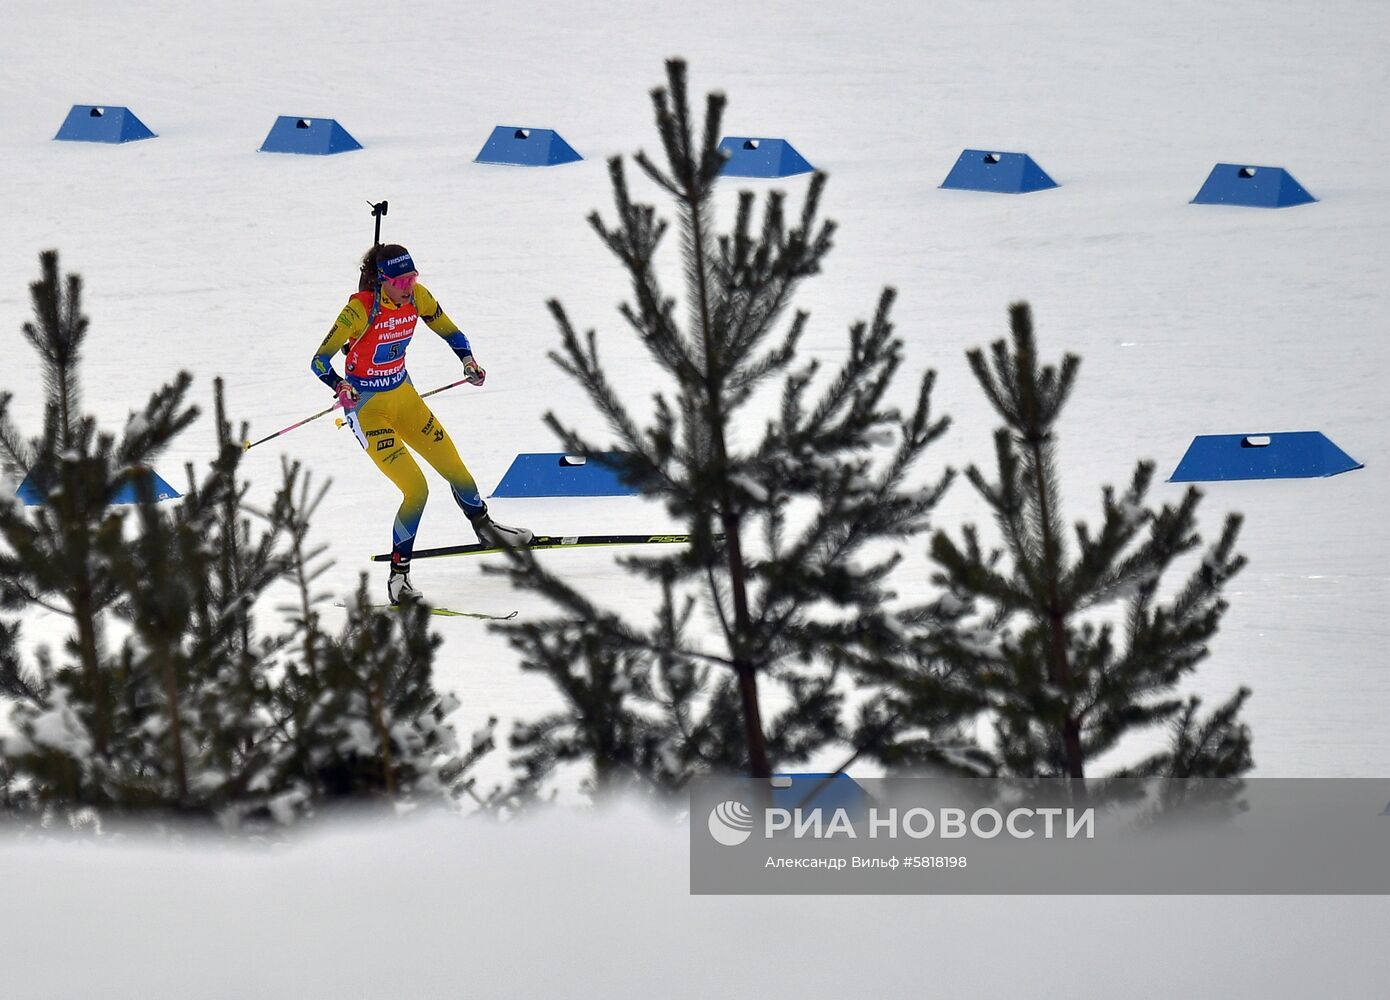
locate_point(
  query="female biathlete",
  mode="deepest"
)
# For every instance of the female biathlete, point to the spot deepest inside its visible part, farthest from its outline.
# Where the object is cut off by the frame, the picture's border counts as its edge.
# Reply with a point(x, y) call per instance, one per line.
point(386, 412)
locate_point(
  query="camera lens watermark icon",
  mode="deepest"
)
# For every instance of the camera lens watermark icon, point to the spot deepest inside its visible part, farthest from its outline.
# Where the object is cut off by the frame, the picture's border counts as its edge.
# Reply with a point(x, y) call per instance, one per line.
point(730, 823)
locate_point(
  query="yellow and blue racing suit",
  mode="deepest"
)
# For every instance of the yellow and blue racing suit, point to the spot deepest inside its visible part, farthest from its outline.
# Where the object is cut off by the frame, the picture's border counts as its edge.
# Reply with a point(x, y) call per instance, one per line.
point(390, 418)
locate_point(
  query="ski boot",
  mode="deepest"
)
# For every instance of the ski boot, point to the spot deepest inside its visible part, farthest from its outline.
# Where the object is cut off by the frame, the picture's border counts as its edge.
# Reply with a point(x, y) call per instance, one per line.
point(398, 588)
point(499, 536)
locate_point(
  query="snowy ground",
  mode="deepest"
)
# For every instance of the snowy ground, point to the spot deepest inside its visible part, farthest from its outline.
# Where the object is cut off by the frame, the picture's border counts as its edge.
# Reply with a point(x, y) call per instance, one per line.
point(424, 909)
point(201, 253)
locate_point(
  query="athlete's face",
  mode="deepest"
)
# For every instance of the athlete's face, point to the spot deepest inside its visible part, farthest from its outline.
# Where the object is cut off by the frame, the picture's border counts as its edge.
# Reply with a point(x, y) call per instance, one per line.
point(398, 289)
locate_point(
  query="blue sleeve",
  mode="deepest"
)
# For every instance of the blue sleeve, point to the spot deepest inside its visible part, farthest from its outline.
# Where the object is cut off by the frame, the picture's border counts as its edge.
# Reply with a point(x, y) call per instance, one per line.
point(322, 367)
point(459, 343)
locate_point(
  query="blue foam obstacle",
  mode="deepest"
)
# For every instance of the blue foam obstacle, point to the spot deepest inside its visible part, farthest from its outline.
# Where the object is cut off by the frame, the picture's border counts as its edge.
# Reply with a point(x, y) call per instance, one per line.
point(526, 147)
point(1292, 455)
point(1254, 187)
point(1001, 173)
point(102, 123)
point(825, 791)
point(555, 475)
point(750, 156)
point(310, 136)
point(32, 495)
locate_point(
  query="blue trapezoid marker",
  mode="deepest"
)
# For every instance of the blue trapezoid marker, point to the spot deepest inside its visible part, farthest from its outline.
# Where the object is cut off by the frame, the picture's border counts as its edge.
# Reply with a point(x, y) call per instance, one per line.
point(751, 156)
point(518, 146)
point(1289, 455)
point(308, 136)
point(1252, 187)
point(1000, 173)
point(558, 475)
point(31, 494)
point(102, 123)
point(824, 790)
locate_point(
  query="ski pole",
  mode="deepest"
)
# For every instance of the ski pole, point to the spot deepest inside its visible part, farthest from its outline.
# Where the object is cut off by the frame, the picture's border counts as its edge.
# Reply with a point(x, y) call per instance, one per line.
point(248, 445)
point(451, 385)
point(341, 422)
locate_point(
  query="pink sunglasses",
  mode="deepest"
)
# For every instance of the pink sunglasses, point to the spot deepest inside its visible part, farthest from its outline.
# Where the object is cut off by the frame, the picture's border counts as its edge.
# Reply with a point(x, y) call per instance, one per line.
point(401, 286)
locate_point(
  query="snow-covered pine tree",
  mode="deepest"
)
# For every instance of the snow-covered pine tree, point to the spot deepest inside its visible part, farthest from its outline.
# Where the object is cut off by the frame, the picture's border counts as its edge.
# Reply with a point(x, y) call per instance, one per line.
point(358, 718)
point(1024, 629)
point(192, 712)
point(782, 522)
point(58, 556)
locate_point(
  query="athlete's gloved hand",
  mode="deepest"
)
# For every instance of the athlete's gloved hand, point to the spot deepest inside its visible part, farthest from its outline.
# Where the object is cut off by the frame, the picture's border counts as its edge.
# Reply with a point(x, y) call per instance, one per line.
point(473, 372)
point(347, 395)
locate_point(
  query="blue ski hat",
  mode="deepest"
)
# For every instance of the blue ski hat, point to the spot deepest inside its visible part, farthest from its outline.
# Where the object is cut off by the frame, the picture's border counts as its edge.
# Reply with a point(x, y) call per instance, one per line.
point(397, 266)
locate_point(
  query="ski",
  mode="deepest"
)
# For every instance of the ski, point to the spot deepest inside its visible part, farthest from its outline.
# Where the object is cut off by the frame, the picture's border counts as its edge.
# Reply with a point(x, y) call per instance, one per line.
point(445, 612)
point(546, 542)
